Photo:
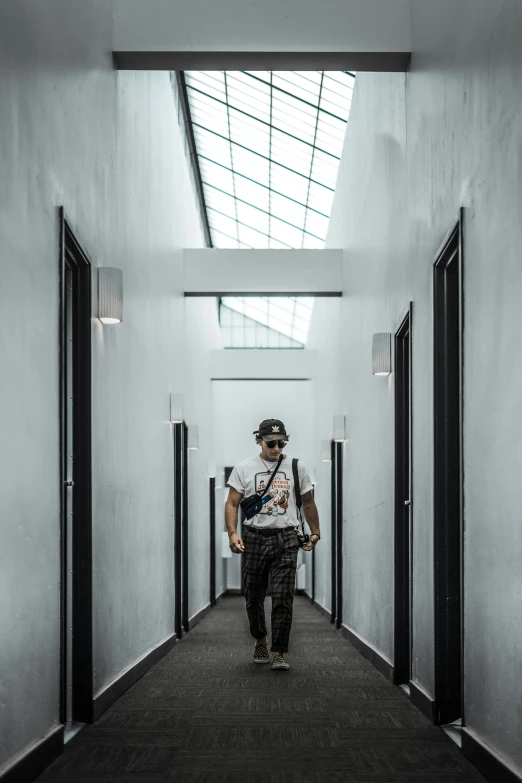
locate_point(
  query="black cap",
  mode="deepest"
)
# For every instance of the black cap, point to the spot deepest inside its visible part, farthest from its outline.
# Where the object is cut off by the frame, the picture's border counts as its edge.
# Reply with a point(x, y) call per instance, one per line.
point(271, 427)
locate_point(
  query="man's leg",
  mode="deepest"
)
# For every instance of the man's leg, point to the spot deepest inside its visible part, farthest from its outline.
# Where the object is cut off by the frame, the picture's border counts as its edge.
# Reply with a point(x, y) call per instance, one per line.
point(255, 580)
point(282, 578)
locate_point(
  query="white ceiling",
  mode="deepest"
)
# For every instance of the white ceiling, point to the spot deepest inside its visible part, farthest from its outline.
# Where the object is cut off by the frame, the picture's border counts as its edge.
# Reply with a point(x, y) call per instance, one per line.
point(262, 25)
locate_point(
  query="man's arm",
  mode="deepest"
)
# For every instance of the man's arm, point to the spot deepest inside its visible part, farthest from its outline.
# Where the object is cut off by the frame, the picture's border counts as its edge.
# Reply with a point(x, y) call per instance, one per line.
point(312, 518)
point(231, 510)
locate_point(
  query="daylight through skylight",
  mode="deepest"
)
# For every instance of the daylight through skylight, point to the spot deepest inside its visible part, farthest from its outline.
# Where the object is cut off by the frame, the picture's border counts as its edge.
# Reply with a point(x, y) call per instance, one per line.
point(288, 315)
point(268, 147)
point(269, 144)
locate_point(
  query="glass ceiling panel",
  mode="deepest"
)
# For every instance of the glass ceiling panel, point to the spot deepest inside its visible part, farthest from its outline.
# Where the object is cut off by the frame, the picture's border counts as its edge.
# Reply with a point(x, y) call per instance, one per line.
point(272, 141)
point(268, 146)
point(289, 316)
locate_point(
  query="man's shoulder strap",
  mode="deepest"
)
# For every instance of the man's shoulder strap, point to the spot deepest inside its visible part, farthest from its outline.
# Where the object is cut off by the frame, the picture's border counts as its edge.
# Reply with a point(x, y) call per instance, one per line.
point(297, 488)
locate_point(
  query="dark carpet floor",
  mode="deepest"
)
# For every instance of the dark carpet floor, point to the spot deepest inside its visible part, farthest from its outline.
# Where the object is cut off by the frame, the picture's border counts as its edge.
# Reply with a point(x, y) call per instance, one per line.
point(206, 712)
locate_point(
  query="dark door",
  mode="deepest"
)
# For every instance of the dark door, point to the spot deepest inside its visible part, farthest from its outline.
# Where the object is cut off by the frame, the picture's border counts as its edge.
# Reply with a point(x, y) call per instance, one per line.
point(181, 553)
point(76, 480)
point(333, 531)
point(178, 528)
point(312, 591)
point(337, 533)
point(212, 533)
point(448, 478)
point(185, 542)
point(403, 504)
point(339, 536)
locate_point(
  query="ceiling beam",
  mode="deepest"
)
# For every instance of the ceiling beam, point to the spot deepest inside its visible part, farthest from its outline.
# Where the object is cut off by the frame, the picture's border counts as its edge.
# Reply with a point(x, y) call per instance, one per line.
point(261, 61)
point(271, 294)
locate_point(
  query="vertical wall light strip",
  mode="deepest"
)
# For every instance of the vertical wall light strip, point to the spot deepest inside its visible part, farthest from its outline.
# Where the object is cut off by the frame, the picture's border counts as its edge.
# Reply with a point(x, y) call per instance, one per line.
point(110, 295)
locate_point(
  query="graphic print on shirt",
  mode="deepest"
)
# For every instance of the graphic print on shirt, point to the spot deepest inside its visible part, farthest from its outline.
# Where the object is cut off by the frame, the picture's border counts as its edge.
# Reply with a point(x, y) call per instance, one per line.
point(279, 493)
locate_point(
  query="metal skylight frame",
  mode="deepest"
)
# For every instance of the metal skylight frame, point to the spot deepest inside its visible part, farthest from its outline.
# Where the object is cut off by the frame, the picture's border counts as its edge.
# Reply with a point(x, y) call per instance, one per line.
point(265, 148)
point(268, 146)
point(288, 315)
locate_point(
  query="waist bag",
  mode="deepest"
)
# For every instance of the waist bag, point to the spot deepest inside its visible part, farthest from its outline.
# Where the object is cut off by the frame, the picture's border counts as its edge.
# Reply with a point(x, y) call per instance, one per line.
point(252, 505)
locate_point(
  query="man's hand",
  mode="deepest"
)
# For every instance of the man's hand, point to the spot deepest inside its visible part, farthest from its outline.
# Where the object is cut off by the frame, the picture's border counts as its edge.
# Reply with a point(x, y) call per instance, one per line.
point(314, 538)
point(236, 544)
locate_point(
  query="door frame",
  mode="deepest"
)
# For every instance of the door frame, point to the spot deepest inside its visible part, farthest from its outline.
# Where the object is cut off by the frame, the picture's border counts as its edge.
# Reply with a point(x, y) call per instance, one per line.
point(185, 526)
point(71, 254)
point(403, 537)
point(212, 516)
point(339, 532)
point(178, 528)
point(312, 596)
point(333, 531)
point(448, 499)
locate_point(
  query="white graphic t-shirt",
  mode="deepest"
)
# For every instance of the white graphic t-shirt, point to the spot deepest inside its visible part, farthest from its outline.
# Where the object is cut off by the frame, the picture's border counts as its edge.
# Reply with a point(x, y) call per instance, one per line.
point(251, 476)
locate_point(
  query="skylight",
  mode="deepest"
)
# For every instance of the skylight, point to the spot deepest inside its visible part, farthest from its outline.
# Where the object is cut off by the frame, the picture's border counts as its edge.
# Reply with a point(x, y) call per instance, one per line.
point(268, 145)
point(288, 315)
point(240, 331)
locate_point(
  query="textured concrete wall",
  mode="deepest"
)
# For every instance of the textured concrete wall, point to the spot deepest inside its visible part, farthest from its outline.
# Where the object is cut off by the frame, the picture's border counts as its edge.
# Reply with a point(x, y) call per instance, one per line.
point(408, 166)
point(73, 133)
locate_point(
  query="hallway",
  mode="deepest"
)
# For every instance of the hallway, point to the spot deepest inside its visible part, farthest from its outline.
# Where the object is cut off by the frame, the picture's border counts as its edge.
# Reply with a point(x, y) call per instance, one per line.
point(206, 713)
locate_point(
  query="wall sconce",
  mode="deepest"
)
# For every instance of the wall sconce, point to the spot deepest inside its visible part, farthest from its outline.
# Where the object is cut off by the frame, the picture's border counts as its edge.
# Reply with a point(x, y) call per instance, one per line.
point(193, 437)
point(381, 353)
point(110, 295)
point(211, 469)
point(339, 428)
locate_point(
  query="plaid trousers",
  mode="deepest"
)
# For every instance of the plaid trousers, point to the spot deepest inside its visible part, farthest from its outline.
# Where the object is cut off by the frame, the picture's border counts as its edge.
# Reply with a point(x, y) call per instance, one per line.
point(270, 553)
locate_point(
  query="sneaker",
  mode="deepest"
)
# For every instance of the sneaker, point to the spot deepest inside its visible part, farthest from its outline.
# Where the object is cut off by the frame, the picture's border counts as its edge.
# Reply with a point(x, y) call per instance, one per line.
point(279, 663)
point(261, 654)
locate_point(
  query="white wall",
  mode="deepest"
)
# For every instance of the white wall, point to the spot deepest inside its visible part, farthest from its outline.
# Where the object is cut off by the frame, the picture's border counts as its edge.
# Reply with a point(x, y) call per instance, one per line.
point(369, 222)
point(238, 363)
point(202, 338)
point(262, 271)
point(324, 342)
point(233, 25)
point(465, 148)
point(107, 147)
point(417, 149)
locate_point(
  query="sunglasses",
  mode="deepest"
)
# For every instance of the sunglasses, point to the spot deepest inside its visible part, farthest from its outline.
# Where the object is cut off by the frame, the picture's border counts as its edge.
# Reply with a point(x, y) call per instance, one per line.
point(273, 443)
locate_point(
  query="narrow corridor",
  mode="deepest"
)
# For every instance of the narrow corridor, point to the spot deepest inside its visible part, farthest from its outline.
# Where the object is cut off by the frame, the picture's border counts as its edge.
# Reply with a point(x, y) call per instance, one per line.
point(205, 712)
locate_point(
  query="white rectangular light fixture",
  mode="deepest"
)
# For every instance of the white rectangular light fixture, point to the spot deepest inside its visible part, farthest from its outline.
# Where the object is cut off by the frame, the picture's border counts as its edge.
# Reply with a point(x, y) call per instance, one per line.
point(381, 353)
point(110, 295)
point(326, 452)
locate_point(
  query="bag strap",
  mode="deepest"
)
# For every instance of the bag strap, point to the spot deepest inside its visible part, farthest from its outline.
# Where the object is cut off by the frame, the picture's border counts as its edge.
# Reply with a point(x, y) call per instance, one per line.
point(297, 488)
point(272, 477)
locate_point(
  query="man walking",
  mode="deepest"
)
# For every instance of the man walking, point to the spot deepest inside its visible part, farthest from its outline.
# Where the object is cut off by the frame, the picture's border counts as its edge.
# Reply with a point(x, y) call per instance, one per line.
point(270, 541)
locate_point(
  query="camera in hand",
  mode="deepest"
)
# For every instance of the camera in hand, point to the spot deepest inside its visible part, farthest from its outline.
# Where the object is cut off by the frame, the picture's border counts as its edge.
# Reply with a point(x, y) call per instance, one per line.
point(302, 537)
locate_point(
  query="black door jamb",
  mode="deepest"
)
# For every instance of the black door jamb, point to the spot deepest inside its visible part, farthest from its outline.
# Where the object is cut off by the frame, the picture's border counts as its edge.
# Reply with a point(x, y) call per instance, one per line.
point(448, 477)
point(73, 257)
